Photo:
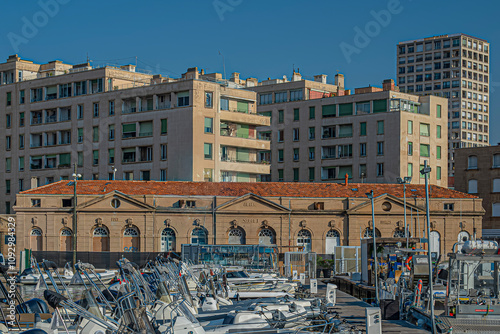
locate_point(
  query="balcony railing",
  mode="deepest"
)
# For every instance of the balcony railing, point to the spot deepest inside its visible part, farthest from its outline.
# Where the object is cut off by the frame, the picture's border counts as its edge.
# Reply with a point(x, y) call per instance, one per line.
point(145, 134)
point(228, 159)
point(128, 160)
point(51, 119)
point(37, 120)
point(129, 110)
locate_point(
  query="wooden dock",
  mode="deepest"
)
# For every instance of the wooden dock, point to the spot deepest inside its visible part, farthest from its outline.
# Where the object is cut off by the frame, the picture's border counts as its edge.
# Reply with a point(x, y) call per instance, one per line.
point(353, 310)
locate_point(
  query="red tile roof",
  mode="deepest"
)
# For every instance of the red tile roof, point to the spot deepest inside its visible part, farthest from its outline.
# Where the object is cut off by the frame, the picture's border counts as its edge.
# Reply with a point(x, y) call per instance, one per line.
point(265, 189)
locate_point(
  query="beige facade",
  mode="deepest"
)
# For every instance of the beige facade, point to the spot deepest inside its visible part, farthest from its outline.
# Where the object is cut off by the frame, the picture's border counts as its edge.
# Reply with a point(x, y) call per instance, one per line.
point(455, 67)
point(477, 172)
point(195, 128)
point(321, 132)
point(160, 216)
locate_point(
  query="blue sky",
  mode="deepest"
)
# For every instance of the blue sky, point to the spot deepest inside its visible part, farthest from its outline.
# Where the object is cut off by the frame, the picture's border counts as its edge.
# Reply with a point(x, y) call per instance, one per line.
point(258, 38)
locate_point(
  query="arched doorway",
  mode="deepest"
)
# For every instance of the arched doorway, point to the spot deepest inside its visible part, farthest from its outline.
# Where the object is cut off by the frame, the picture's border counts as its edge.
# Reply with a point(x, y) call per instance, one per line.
point(36, 239)
point(435, 244)
point(463, 236)
point(199, 236)
point(66, 242)
point(100, 240)
point(131, 239)
point(236, 236)
point(332, 240)
point(304, 239)
point(167, 240)
point(267, 237)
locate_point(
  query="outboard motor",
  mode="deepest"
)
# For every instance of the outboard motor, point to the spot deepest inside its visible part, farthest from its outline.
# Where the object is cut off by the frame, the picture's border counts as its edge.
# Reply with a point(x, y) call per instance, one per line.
point(331, 294)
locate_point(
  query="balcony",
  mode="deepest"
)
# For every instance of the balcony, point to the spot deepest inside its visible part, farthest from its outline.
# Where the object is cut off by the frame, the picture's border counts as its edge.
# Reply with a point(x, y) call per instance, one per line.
point(51, 119)
point(245, 167)
point(244, 118)
point(249, 143)
point(36, 120)
point(129, 110)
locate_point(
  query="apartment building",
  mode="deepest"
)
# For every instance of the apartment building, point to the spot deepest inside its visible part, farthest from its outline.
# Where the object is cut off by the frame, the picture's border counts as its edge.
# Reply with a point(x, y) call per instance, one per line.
point(455, 67)
point(322, 132)
point(477, 172)
point(118, 123)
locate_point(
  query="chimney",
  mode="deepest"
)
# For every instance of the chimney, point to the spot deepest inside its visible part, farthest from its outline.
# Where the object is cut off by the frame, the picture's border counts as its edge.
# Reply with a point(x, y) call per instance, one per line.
point(34, 182)
point(320, 78)
point(202, 72)
point(191, 73)
point(388, 84)
point(235, 77)
point(346, 179)
point(339, 80)
point(296, 76)
point(130, 68)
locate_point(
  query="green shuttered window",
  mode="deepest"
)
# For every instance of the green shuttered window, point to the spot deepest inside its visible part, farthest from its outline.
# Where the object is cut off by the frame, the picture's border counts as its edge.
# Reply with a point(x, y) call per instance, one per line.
point(379, 106)
point(345, 109)
point(329, 111)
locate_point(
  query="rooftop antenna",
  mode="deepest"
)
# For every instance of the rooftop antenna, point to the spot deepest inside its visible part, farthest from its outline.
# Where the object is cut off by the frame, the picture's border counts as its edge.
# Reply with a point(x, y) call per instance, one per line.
point(223, 66)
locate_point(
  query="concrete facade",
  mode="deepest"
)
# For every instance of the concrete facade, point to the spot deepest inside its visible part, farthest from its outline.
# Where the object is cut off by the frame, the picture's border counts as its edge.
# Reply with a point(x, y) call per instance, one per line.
point(374, 135)
point(478, 172)
point(147, 127)
point(455, 67)
point(160, 216)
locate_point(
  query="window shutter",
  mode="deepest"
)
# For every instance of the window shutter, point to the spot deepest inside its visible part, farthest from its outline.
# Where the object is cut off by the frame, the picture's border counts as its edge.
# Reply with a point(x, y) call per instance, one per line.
point(129, 127)
point(379, 106)
point(345, 109)
point(343, 170)
point(65, 159)
point(164, 125)
point(362, 129)
point(242, 107)
point(329, 110)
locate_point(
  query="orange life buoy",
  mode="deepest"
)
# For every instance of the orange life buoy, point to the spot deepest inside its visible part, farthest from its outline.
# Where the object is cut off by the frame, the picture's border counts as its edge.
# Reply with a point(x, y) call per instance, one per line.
point(407, 263)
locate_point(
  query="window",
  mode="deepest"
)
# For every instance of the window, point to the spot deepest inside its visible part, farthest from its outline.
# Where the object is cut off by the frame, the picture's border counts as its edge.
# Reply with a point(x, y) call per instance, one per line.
point(410, 169)
point(95, 157)
point(380, 127)
point(312, 133)
point(379, 106)
point(362, 171)
point(345, 109)
point(21, 164)
point(264, 99)
point(280, 155)
point(7, 186)
point(111, 132)
point(496, 185)
point(312, 112)
point(410, 127)
point(296, 114)
point(329, 111)
point(380, 169)
point(183, 99)
point(328, 132)
point(163, 151)
point(295, 174)
point(208, 151)
point(96, 86)
point(281, 116)
point(79, 111)
point(280, 175)
point(296, 95)
point(362, 108)
point(95, 134)
point(21, 119)
point(163, 129)
point(280, 97)
point(438, 131)
point(449, 206)
point(209, 125)
point(145, 175)
point(424, 129)
point(8, 143)
point(80, 135)
point(380, 148)
point(95, 108)
point(311, 173)
point(21, 184)
point(472, 162)
point(111, 155)
point(21, 97)
point(209, 99)
point(111, 107)
point(128, 155)
point(345, 151)
point(345, 130)
point(224, 104)
point(295, 154)
point(328, 152)
point(9, 98)
point(281, 136)
point(311, 153)
point(328, 173)
point(362, 129)
point(472, 187)
point(296, 134)
point(438, 173)
point(362, 150)
point(8, 120)
point(163, 175)
point(36, 203)
point(424, 150)
point(496, 161)
point(21, 141)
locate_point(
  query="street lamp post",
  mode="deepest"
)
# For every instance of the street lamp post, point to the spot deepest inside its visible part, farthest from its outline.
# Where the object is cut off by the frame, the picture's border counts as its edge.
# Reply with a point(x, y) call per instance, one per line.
point(404, 181)
point(75, 179)
point(425, 171)
point(370, 196)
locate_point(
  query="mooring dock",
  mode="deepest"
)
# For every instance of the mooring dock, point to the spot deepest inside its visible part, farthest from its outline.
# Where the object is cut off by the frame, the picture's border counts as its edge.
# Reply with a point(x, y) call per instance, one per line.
point(353, 310)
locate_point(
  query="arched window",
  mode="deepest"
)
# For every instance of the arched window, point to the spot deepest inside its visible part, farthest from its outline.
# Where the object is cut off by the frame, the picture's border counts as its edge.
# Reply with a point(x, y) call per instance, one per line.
point(463, 236)
point(100, 239)
point(332, 240)
point(435, 244)
point(472, 162)
point(495, 210)
point(304, 239)
point(36, 239)
point(399, 233)
point(236, 236)
point(167, 240)
point(199, 236)
point(131, 240)
point(66, 242)
point(472, 189)
point(267, 237)
point(369, 233)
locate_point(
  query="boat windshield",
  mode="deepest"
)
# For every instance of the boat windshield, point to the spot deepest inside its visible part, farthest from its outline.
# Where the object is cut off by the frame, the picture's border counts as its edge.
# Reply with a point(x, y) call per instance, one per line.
point(184, 310)
point(28, 271)
point(237, 274)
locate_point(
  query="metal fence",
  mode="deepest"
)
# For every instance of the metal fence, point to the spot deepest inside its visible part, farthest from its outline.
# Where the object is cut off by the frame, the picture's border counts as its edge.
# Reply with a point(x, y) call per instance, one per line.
point(100, 260)
point(300, 262)
point(347, 259)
